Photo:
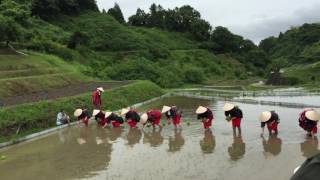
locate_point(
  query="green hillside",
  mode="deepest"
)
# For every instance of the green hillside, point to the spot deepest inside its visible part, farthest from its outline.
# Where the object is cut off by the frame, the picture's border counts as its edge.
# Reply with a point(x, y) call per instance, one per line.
point(36, 72)
point(171, 53)
point(297, 51)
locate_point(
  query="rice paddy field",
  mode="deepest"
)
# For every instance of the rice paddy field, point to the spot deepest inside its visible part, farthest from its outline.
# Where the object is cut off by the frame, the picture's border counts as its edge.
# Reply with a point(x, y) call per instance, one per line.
point(189, 153)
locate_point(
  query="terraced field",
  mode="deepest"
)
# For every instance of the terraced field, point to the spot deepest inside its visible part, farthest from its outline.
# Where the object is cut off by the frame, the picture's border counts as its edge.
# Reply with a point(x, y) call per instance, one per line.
point(20, 75)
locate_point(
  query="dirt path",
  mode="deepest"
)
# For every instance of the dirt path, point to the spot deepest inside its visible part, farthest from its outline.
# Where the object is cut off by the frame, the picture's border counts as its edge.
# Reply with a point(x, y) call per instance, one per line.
point(62, 92)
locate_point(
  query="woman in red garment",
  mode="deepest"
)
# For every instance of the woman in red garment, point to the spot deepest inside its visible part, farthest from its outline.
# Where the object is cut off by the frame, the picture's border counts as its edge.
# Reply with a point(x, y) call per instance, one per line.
point(153, 117)
point(173, 114)
point(206, 115)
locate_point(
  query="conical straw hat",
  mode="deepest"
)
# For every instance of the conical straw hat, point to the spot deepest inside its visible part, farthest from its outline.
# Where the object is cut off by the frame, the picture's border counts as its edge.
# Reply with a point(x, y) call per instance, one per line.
point(313, 115)
point(201, 110)
point(228, 107)
point(265, 116)
point(165, 109)
point(77, 112)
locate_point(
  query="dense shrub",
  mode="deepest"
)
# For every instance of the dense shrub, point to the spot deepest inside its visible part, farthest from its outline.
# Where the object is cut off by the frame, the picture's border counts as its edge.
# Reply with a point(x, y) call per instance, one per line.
point(194, 75)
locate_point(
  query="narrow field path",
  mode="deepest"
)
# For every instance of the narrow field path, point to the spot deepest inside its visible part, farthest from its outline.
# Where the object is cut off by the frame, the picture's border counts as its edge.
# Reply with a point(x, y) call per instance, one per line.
point(71, 90)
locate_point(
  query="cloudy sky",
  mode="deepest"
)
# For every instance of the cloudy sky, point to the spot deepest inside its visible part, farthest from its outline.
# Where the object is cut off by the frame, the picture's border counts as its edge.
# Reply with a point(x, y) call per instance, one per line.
point(253, 19)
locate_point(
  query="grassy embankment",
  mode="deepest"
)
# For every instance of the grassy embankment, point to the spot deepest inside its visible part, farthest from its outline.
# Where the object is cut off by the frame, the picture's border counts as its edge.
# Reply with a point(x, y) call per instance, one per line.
point(30, 118)
point(36, 72)
point(304, 73)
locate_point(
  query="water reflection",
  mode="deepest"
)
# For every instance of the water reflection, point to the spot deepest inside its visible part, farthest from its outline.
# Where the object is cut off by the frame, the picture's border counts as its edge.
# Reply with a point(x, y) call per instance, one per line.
point(237, 149)
point(272, 146)
point(309, 147)
point(115, 133)
point(84, 135)
point(176, 142)
point(134, 135)
point(154, 138)
point(208, 143)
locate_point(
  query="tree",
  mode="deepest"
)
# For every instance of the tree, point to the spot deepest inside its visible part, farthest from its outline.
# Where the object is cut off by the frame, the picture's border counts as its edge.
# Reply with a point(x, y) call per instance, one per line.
point(70, 7)
point(78, 38)
point(268, 44)
point(201, 29)
point(227, 41)
point(9, 30)
point(139, 19)
point(258, 58)
point(188, 16)
point(116, 13)
point(18, 12)
point(157, 16)
point(88, 5)
point(45, 9)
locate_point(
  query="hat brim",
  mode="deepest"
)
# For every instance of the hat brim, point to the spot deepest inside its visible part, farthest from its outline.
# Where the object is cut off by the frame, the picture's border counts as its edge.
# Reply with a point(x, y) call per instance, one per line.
point(228, 107)
point(265, 116)
point(201, 110)
point(312, 115)
point(165, 109)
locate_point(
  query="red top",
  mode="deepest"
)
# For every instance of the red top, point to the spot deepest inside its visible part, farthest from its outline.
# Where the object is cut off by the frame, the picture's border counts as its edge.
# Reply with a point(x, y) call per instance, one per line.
point(153, 115)
point(96, 98)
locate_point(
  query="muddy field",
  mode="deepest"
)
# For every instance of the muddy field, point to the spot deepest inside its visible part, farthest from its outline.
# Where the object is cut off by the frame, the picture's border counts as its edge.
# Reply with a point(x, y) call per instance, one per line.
point(192, 153)
point(59, 93)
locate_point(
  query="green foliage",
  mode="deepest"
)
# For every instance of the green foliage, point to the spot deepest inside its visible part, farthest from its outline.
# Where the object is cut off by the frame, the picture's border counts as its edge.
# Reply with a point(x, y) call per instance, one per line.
point(9, 29)
point(49, 9)
point(116, 13)
point(35, 72)
point(78, 38)
point(183, 19)
point(194, 75)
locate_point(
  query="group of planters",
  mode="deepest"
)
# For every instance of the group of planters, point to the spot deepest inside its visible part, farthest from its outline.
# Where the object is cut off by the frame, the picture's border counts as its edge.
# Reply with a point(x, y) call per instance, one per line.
point(308, 118)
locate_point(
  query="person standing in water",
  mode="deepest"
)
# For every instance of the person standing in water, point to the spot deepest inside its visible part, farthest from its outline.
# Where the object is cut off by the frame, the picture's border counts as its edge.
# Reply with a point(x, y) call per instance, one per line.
point(100, 117)
point(114, 119)
point(234, 114)
point(96, 98)
point(206, 115)
point(271, 119)
point(153, 117)
point(82, 115)
point(308, 121)
point(173, 114)
point(131, 116)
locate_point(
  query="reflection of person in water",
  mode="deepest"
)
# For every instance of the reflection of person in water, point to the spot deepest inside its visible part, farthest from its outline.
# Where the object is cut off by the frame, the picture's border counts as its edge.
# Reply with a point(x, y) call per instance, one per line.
point(208, 143)
point(237, 149)
point(134, 135)
point(177, 142)
point(273, 145)
point(309, 147)
point(115, 133)
point(85, 135)
point(154, 138)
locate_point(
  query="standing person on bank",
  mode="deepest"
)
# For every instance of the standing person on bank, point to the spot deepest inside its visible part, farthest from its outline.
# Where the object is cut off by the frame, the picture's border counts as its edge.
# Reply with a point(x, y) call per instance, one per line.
point(234, 114)
point(96, 98)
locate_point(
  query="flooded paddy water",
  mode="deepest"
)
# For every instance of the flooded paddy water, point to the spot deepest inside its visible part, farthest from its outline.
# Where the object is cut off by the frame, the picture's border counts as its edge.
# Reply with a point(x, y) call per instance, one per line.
point(123, 153)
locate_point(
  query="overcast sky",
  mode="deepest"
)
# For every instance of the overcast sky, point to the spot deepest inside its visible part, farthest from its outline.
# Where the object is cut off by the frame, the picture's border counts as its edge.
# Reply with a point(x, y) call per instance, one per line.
point(253, 19)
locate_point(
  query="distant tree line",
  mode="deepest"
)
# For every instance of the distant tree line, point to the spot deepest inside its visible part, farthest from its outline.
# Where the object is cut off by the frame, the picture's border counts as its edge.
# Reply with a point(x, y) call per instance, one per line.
point(47, 9)
point(183, 19)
